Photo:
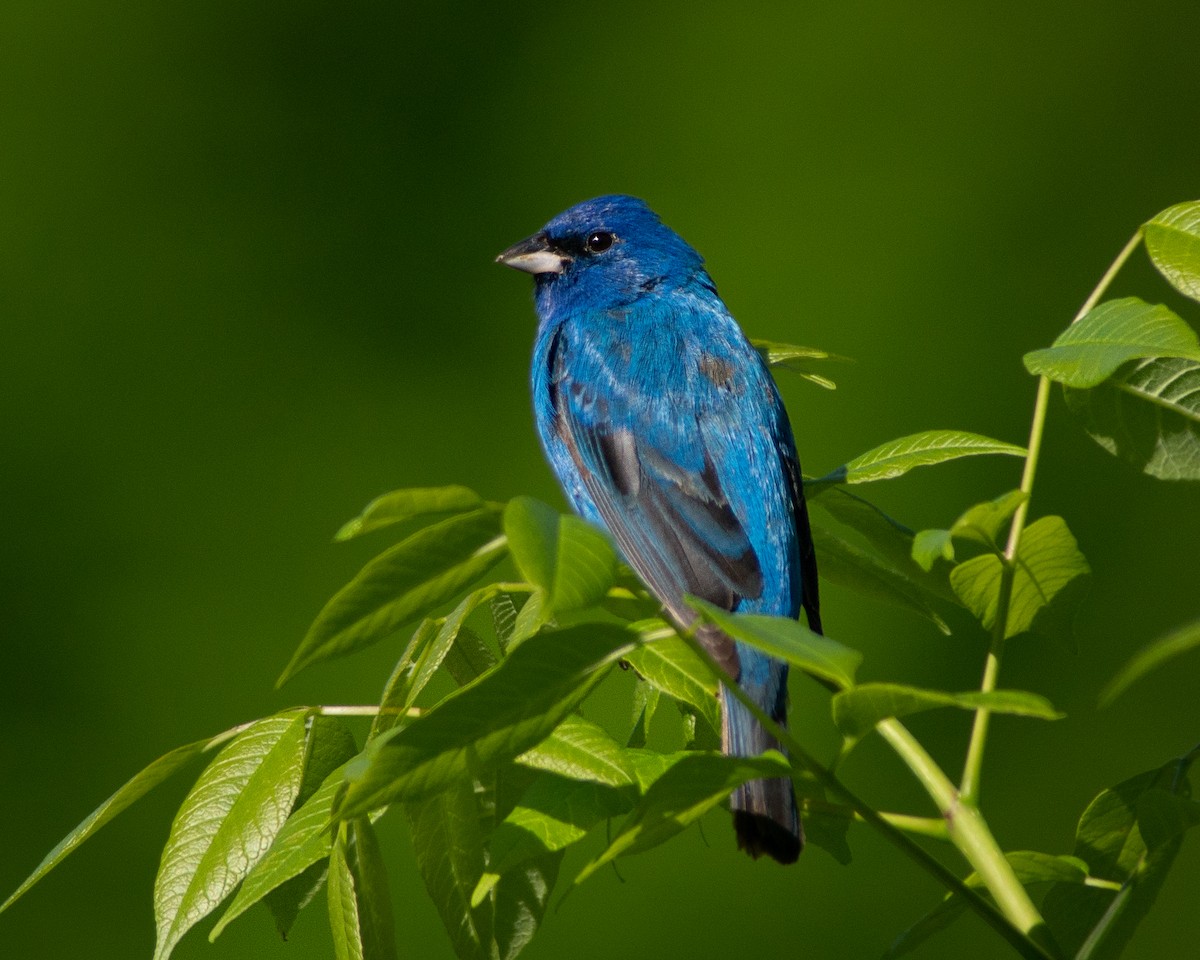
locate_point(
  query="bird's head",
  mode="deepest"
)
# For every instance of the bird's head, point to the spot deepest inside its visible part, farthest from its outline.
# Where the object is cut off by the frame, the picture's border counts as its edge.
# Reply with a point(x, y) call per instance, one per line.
point(604, 252)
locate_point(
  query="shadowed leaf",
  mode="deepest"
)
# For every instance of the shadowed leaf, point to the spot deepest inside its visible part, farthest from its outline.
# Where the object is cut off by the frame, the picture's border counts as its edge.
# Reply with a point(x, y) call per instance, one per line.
point(1147, 414)
point(136, 788)
point(360, 905)
point(402, 584)
point(1165, 648)
point(501, 715)
point(1130, 835)
point(856, 711)
point(683, 794)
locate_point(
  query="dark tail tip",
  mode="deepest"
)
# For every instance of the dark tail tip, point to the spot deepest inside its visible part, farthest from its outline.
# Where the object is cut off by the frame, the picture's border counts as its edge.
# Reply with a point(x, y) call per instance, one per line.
point(758, 834)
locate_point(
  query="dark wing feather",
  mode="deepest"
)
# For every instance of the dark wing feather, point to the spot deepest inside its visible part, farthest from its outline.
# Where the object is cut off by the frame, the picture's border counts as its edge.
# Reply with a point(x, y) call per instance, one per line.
point(673, 525)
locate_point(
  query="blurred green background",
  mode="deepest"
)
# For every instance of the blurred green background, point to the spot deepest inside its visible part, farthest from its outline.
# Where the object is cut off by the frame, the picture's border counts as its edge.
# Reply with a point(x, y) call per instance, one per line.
point(246, 285)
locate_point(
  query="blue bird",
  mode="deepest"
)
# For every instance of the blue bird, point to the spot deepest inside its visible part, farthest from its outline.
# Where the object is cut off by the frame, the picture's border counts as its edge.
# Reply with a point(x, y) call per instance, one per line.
point(665, 428)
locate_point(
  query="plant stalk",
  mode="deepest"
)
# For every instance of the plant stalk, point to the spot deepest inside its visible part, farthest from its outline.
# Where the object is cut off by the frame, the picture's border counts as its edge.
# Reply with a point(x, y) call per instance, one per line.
point(1024, 939)
point(973, 765)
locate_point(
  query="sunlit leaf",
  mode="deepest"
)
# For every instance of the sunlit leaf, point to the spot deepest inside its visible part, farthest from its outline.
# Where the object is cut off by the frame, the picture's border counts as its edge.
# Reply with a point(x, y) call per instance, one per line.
point(435, 651)
point(450, 833)
point(302, 842)
point(1130, 835)
point(788, 640)
point(402, 584)
point(499, 716)
point(979, 524)
point(929, 546)
point(226, 823)
point(672, 667)
point(401, 505)
point(1089, 352)
point(329, 744)
point(897, 457)
point(802, 360)
point(1163, 649)
point(132, 791)
point(580, 750)
point(1147, 414)
point(570, 560)
point(292, 871)
point(1173, 242)
point(1047, 583)
point(856, 711)
point(683, 794)
point(360, 904)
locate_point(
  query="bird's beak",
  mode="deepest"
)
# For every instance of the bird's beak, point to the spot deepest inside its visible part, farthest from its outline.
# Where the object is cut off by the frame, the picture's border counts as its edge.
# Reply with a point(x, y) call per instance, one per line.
point(535, 255)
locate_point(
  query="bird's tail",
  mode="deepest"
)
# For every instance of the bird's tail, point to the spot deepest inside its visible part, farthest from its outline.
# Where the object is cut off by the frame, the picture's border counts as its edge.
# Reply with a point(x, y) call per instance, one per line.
point(764, 811)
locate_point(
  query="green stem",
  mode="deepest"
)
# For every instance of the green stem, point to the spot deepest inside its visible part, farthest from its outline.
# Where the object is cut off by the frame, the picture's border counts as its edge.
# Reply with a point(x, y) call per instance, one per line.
point(973, 765)
point(1022, 940)
point(967, 830)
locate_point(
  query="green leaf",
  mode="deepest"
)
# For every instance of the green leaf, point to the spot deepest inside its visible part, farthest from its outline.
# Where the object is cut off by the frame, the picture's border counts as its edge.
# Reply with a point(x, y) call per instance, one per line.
point(891, 540)
point(788, 640)
point(1047, 584)
point(570, 560)
point(449, 833)
point(448, 840)
point(585, 778)
point(553, 814)
point(1030, 866)
point(856, 711)
point(292, 870)
point(683, 794)
point(226, 823)
point(447, 634)
point(980, 524)
point(360, 905)
point(395, 692)
point(1089, 352)
point(1165, 648)
point(580, 750)
point(672, 667)
point(402, 584)
point(132, 791)
point(802, 360)
point(302, 842)
point(401, 505)
point(847, 565)
point(1148, 415)
point(1173, 242)
point(329, 744)
point(983, 522)
point(1130, 835)
point(931, 545)
point(497, 717)
point(897, 457)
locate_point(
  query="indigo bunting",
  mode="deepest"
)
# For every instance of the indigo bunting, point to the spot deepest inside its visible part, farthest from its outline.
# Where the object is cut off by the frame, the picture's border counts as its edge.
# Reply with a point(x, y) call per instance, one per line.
point(664, 427)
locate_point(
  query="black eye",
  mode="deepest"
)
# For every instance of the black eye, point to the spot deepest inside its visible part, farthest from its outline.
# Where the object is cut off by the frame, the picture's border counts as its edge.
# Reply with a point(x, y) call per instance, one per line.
point(599, 241)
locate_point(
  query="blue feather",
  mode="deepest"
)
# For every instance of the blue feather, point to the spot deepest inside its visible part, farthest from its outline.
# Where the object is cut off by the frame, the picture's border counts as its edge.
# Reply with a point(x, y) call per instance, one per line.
point(664, 426)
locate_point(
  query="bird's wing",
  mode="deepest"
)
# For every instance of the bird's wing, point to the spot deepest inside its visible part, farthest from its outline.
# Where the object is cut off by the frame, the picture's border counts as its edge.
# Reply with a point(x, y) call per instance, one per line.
point(651, 476)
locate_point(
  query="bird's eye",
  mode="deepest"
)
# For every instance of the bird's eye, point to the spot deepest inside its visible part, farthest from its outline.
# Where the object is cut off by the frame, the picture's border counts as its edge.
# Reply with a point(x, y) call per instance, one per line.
point(599, 241)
